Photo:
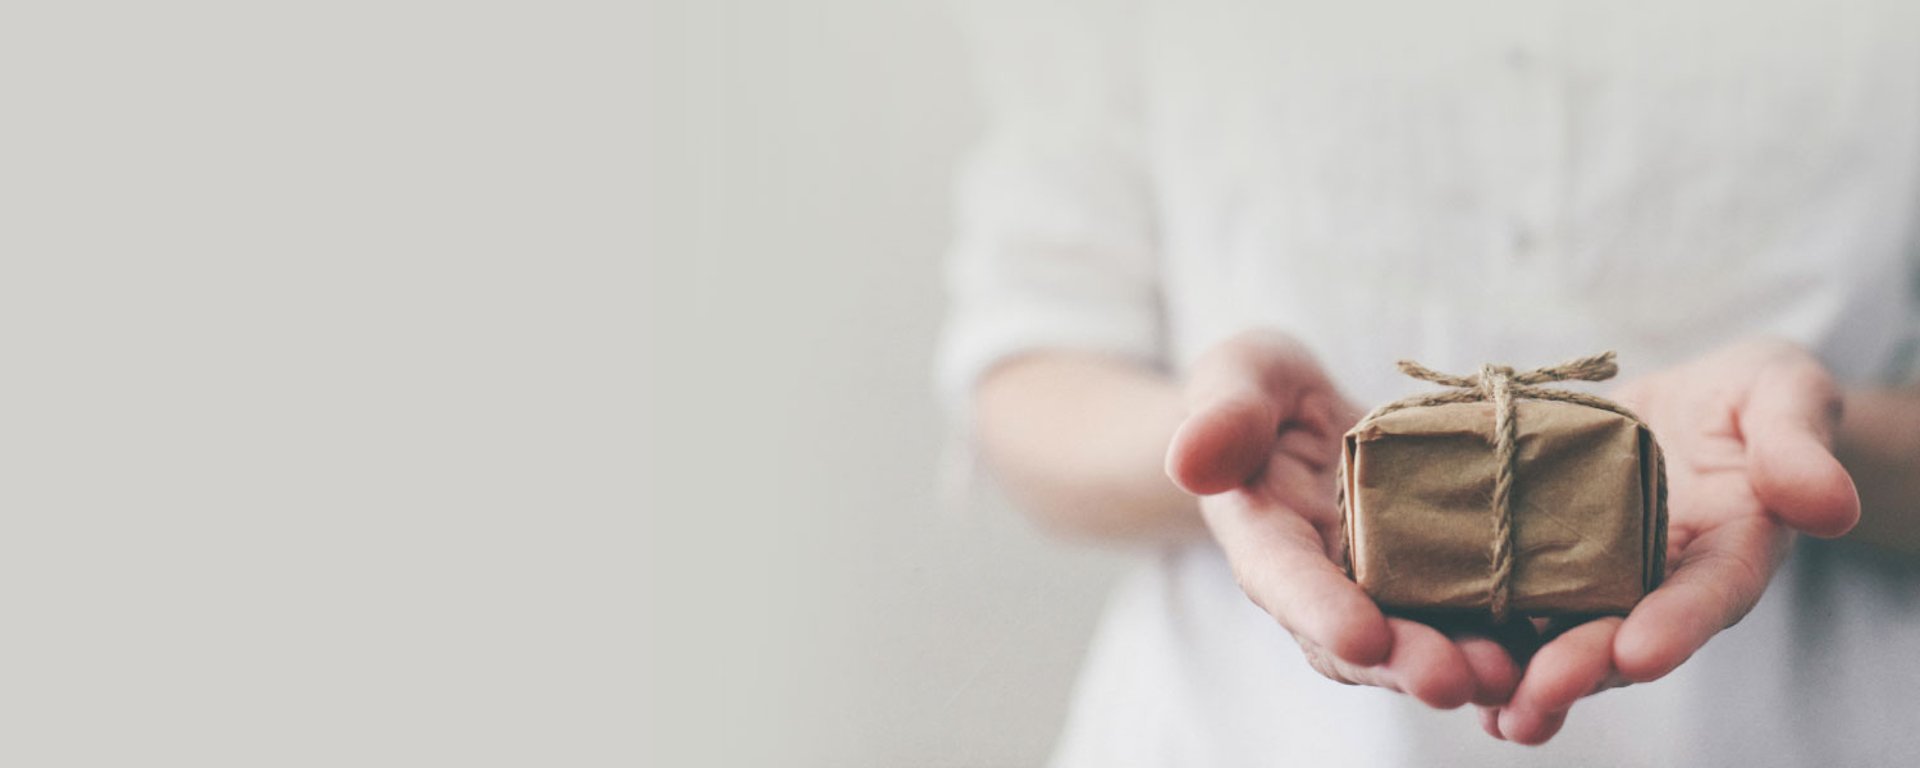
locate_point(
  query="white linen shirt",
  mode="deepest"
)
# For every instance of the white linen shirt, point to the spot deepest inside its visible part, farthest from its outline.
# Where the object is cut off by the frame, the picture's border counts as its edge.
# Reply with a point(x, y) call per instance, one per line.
point(1457, 183)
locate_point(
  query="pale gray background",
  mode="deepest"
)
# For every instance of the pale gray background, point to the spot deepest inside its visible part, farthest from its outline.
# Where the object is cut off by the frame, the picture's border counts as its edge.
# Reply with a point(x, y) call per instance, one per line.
point(809, 151)
point(435, 383)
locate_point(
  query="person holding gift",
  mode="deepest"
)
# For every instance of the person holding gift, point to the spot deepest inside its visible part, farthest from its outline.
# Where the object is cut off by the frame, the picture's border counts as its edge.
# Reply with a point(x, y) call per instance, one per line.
point(1197, 235)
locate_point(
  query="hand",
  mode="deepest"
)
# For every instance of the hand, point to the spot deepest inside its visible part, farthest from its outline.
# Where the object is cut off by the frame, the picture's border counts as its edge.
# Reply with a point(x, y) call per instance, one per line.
point(1260, 445)
point(1747, 432)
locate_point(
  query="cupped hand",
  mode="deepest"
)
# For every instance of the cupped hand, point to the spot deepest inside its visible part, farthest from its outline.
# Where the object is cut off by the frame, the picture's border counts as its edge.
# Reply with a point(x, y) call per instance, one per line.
point(1260, 446)
point(1748, 436)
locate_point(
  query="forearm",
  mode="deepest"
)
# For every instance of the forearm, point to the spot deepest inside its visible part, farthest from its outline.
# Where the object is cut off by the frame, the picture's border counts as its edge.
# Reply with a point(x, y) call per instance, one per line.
point(1080, 442)
point(1879, 442)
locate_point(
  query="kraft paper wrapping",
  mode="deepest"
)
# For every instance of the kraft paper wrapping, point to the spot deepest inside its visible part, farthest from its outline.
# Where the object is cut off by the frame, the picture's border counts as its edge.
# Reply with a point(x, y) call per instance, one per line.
point(1589, 536)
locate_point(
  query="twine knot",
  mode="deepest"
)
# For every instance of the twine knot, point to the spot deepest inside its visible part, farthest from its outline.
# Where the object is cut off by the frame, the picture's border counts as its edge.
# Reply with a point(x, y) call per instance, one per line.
point(1598, 367)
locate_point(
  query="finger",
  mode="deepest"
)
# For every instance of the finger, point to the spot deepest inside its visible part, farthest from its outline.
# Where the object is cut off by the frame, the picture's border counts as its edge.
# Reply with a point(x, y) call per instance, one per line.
point(1490, 722)
point(1428, 666)
point(1224, 444)
point(1568, 667)
point(1280, 561)
point(1333, 668)
point(1720, 578)
point(1316, 451)
point(1238, 394)
point(1310, 494)
point(1495, 654)
point(1529, 727)
point(1323, 412)
point(1495, 673)
point(1788, 424)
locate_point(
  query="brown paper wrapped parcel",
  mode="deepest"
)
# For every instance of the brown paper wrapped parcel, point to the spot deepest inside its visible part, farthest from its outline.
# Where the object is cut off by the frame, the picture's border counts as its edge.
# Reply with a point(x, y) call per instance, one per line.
point(1505, 498)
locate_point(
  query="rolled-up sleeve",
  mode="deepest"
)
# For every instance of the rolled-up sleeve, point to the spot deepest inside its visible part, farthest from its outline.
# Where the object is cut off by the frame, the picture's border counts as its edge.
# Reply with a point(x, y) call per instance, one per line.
point(1054, 243)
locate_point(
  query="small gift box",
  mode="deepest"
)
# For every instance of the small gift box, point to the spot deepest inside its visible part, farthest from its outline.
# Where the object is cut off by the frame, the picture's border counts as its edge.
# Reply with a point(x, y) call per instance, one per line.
point(1502, 497)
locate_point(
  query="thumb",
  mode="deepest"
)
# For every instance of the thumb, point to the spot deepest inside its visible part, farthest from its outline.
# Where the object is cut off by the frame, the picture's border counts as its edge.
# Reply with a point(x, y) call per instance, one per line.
point(1240, 393)
point(1224, 444)
point(1788, 423)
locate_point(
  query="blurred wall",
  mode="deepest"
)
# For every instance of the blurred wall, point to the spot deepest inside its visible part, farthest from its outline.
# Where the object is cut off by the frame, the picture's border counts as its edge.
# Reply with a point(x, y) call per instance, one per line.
point(818, 602)
point(417, 382)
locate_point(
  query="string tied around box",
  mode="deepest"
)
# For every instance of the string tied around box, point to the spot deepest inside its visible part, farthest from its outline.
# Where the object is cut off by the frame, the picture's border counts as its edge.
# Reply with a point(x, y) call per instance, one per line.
point(1504, 388)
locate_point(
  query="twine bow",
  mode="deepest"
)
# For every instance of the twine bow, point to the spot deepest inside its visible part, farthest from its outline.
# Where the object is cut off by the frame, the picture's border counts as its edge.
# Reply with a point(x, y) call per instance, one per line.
point(1503, 386)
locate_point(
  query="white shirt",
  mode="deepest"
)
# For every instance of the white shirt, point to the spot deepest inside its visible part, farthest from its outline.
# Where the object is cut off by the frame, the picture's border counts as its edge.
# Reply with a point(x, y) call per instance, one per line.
point(1458, 183)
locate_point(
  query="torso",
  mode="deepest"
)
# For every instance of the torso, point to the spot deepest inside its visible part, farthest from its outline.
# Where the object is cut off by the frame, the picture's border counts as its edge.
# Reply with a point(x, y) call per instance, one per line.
point(1523, 182)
